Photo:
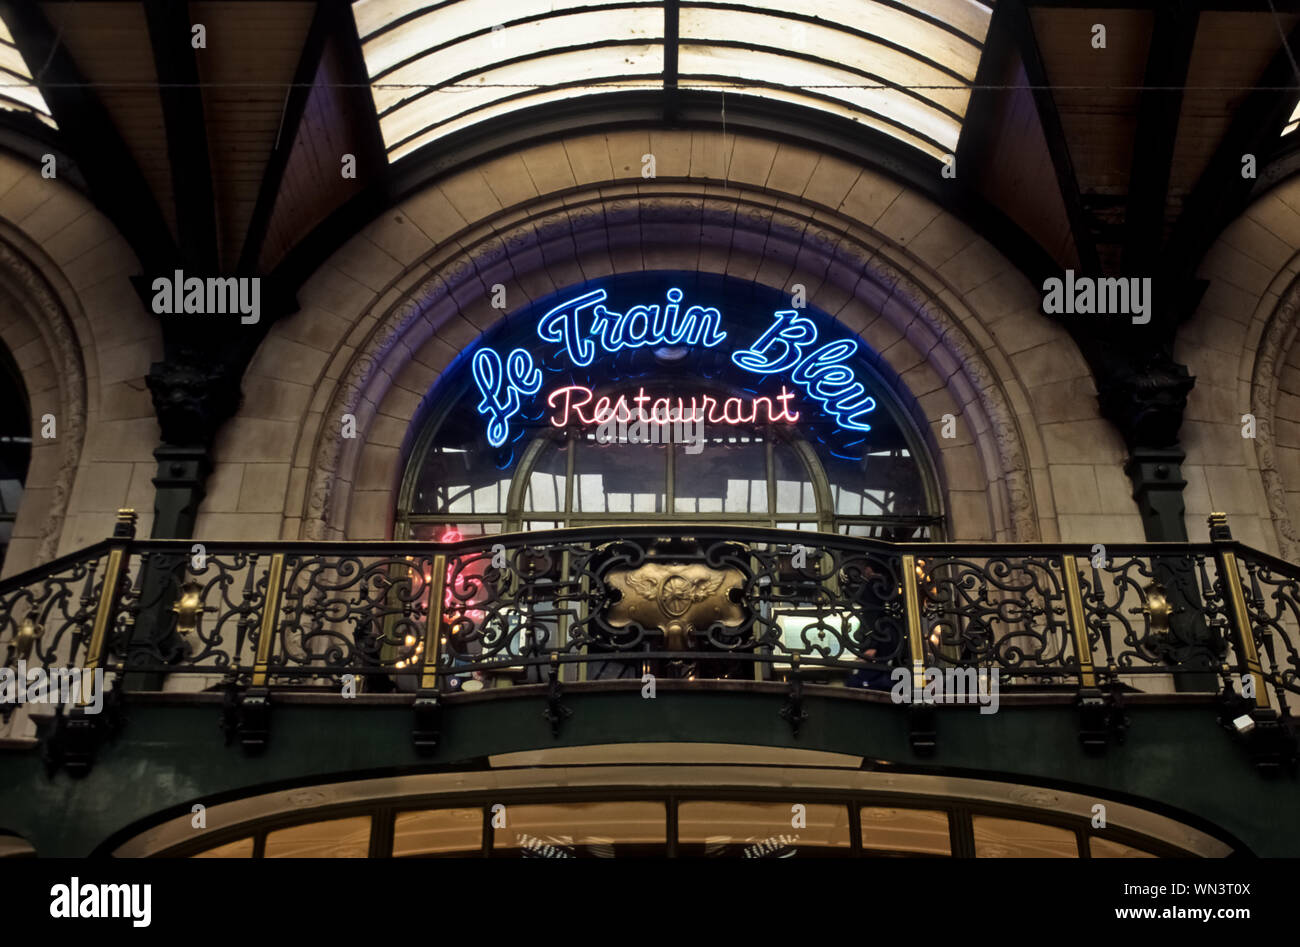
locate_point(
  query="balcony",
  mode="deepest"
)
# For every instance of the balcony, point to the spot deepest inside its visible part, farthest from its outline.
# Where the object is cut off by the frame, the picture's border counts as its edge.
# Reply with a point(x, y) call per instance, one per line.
point(551, 614)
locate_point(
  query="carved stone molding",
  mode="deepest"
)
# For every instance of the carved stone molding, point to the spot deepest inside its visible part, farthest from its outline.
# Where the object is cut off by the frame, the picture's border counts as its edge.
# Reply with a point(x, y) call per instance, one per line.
point(1278, 335)
point(791, 233)
point(46, 312)
point(1012, 459)
point(348, 395)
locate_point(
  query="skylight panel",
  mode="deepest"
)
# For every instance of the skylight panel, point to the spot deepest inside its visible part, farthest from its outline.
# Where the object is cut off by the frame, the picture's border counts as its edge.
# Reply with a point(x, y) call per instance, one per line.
point(18, 92)
point(905, 70)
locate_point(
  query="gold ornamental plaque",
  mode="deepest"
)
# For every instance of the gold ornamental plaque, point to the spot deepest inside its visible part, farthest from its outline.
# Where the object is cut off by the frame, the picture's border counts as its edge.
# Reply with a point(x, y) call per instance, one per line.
point(676, 598)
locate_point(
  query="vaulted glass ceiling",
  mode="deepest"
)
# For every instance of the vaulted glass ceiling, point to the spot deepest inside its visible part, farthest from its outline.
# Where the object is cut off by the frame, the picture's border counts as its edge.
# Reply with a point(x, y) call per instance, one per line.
point(18, 92)
point(904, 69)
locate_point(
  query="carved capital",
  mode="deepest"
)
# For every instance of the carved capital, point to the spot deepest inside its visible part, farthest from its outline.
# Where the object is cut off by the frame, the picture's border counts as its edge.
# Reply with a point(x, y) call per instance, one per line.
point(1144, 396)
point(192, 397)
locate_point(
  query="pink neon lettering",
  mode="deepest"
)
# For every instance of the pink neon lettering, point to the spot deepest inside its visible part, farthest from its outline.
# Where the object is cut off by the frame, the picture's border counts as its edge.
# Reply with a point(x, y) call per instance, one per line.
point(569, 401)
point(567, 393)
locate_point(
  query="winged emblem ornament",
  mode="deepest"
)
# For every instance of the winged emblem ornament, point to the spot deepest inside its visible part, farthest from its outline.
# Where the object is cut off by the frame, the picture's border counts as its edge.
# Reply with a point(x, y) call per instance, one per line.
point(676, 598)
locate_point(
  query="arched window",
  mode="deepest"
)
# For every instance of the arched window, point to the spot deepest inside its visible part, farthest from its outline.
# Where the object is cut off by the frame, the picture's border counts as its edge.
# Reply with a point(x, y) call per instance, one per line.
point(648, 398)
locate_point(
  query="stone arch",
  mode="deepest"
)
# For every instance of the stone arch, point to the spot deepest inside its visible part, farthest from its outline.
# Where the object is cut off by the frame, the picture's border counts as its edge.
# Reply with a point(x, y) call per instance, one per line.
point(85, 344)
point(954, 323)
point(872, 277)
point(40, 334)
point(1240, 345)
point(1276, 354)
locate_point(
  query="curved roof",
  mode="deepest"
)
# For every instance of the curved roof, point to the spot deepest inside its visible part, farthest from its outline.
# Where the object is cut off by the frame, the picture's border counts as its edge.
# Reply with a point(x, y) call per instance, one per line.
point(902, 69)
point(1101, 158)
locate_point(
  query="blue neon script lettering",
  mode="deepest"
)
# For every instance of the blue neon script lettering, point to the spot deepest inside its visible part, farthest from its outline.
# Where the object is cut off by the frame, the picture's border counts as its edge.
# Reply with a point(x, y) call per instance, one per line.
point(503, 388)
point(821, 373)
point(638, 327)
point(789, 346)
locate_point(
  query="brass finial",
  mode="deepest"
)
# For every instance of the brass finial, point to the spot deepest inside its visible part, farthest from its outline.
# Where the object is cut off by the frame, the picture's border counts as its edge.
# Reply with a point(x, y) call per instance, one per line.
point(1219, 531)
point(125, 526)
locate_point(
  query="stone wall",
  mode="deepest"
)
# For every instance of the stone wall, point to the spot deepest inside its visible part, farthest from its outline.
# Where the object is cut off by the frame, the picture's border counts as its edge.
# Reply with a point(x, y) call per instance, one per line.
point(1240, 346)
point(83, 343)
point(957, 328)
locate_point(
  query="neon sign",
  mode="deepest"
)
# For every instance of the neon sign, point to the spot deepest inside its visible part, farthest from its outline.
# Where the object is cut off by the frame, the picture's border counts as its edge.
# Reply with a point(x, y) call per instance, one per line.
point(568, 402)
point(503, 388)
point(639, 326)
point(787, 348)
point(821, 373)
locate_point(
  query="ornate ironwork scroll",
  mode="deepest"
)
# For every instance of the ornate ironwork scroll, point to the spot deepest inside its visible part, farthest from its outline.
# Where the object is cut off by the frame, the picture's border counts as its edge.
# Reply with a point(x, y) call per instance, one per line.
point(687, 601)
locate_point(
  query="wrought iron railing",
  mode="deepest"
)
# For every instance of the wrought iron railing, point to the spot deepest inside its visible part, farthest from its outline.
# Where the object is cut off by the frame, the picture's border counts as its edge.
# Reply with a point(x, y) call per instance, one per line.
point(677, 601)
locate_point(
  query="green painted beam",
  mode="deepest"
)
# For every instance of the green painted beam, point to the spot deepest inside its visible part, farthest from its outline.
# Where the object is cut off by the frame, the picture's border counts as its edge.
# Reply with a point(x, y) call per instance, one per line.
point(1175, 758)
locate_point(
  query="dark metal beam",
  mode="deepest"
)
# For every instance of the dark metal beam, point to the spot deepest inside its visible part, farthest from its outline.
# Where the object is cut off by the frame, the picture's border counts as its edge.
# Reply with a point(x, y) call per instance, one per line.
point(115, 182)
point(1170, 54)
point(372, 162)
point(1022, 27)
point(1221, 193)
point(976, 130)
point(982, 111)
point(1140, 388)
point(187, 133)
point(324, 24)
point(987, 97)
point(672, 46)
